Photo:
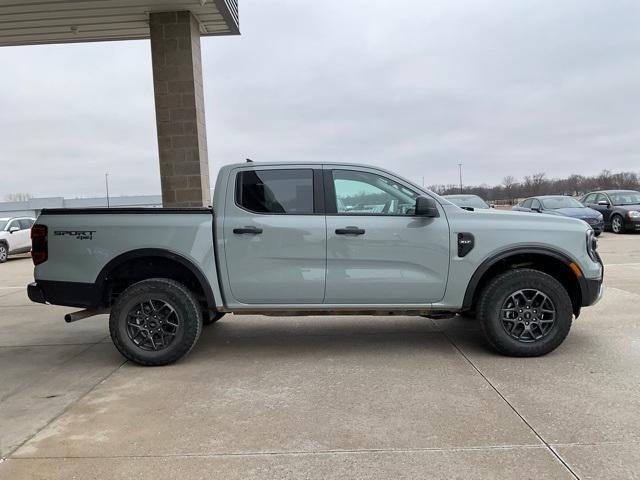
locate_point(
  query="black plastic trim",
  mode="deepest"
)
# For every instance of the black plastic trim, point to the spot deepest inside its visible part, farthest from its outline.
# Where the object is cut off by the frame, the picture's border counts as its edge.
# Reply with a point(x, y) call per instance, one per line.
point(586, 285)
point(155, 252)
point(591, 291)
point(72, 294)
point(120, 210)
point(466, 242)
point(35, 293)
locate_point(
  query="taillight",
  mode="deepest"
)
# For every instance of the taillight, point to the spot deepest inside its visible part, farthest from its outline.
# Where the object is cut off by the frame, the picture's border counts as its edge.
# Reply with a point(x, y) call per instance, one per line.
point(39, 249)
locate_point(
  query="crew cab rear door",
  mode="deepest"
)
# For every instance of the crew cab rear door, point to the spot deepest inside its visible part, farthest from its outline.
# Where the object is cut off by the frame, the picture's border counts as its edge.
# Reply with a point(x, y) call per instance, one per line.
point(275, 235)
point(378, 251)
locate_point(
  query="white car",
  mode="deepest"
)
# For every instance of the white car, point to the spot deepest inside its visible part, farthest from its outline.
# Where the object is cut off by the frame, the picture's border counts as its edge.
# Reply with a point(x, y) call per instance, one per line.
point(15, 236)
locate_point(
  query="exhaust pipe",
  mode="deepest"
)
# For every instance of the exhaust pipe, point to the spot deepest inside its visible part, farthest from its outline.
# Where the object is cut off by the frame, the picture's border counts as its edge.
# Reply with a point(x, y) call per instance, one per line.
point(75, 316)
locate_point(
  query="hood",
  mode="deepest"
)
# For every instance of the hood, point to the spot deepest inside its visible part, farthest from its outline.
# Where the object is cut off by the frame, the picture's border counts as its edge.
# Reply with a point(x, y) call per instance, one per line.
point(628, 208)
point(576, 212)
point(516, 220)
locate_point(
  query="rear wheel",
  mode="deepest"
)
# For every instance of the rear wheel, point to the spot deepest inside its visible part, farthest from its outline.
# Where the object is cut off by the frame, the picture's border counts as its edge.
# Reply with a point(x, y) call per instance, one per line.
point(617, 224)
point(4, 252)
point(155, 322)
point(525, 313)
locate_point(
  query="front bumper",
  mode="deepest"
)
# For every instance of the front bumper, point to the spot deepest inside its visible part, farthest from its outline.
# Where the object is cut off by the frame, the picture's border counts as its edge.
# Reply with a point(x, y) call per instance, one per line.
point(598, 226)
point(591, 290)
point(632, 225)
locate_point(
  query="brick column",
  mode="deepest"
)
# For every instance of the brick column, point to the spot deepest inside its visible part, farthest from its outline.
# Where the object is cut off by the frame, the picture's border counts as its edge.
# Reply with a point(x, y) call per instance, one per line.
point(177, 83)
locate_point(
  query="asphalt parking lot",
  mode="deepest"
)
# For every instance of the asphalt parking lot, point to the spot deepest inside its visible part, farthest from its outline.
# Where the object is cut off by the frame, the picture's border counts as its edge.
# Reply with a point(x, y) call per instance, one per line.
point(323, 397)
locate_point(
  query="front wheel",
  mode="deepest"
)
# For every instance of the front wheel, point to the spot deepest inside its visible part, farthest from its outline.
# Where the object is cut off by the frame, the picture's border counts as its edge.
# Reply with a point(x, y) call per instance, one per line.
point(155, 322)
point(617, 224)
point(525, 313)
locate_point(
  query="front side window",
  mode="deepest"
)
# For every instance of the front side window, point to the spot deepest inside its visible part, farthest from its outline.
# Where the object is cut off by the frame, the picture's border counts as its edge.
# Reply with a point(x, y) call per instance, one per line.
point(14, 224)
point(536, 204)
point(626, 198)
point(25, 223)
point(279, 191)
point(601, 197)
point(366, 193)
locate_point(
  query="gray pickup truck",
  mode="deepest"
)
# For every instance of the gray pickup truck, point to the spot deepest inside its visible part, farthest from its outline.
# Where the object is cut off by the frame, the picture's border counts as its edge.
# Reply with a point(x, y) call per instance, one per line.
point(310, 239)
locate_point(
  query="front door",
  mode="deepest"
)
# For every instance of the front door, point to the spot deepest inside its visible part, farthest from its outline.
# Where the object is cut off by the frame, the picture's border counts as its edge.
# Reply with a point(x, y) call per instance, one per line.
point(605, 209)
point(275, 236)
point(378, 252)
point(19, 240)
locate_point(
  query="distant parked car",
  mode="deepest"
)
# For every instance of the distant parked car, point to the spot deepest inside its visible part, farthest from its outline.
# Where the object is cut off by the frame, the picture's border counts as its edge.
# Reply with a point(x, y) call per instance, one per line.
point(564, 206)
point(619, 208)
point(14, 236)
point(467, 201)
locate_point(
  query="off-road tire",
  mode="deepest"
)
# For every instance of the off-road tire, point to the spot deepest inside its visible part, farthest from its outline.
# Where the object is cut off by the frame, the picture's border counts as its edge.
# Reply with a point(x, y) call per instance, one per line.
point(4, 252)
point(186, 308)
point(496, 293)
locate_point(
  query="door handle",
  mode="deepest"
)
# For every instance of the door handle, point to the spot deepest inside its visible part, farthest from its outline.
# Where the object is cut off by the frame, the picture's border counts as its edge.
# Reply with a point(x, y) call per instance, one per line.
point(251, 230)
point(349, 231)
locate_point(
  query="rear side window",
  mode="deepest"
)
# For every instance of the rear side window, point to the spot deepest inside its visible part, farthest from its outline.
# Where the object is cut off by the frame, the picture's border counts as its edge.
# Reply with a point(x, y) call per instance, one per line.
point(526, 203)
point(280, 191)
point(591, 198)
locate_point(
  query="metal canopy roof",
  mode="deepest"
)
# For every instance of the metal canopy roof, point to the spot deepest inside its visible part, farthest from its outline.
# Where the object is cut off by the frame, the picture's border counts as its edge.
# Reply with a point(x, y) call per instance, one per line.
point(28, 22)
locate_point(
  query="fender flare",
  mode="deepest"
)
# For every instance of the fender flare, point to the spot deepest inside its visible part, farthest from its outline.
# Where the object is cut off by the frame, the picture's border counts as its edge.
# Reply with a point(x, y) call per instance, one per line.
point(473, 285)
point(156, 252)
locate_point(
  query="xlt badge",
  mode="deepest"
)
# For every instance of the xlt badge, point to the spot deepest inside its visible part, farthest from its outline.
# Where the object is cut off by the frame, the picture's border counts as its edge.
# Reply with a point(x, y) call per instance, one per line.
point(465, 243)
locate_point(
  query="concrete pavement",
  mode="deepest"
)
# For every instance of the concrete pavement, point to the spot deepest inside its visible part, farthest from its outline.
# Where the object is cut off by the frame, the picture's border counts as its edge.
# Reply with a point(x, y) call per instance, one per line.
point(323, 397)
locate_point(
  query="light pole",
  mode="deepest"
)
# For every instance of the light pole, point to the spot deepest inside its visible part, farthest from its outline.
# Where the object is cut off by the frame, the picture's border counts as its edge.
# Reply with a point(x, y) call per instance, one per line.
point(460, 168)
point(106, 182)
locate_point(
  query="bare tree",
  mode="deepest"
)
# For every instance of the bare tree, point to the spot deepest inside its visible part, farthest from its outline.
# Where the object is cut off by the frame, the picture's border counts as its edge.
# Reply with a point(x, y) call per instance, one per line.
point(509, 183)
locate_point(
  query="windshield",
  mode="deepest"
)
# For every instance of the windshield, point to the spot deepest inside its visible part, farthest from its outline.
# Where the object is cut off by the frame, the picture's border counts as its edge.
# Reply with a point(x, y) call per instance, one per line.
point(467, 201)
point(3, 223)
point(555, 203)
point(625, 198)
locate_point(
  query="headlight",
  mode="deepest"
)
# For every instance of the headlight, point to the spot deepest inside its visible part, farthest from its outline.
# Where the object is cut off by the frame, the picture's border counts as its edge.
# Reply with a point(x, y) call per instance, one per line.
point(592, 245)
point(634, 214)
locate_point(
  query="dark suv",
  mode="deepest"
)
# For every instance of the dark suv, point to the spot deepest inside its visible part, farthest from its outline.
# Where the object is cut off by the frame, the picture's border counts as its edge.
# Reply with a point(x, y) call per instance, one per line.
point(620, 208)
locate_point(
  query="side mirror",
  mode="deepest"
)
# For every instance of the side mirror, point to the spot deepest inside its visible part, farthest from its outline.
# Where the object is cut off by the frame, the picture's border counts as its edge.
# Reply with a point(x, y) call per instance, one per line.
point(536, 209)
point(14, 229)
point(426, 207)
point(604, 203)
point(493, 205)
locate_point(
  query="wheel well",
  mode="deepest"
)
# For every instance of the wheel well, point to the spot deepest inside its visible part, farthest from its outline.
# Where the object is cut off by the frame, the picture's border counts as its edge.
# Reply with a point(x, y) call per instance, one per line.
point(550, 265)
point(130, 271)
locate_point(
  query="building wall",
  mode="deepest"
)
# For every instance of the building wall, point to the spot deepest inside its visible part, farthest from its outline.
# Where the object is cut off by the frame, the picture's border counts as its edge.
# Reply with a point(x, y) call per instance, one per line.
point(32, 207)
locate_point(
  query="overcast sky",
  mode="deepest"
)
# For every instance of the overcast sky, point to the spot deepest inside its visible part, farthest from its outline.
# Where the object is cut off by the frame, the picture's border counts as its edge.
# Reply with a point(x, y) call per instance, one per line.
point(504, 87)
